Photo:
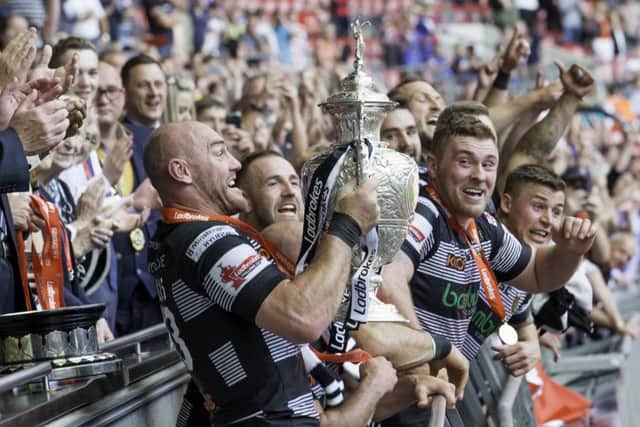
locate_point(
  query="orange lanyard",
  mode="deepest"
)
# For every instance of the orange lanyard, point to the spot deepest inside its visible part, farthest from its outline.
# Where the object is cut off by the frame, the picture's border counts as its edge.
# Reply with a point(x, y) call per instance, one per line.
point(176, 216)
point(487, 277)
point(47, 267)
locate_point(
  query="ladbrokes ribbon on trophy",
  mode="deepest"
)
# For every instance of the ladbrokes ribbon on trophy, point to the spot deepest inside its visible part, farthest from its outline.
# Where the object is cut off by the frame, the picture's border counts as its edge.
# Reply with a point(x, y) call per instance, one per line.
point(319, 190)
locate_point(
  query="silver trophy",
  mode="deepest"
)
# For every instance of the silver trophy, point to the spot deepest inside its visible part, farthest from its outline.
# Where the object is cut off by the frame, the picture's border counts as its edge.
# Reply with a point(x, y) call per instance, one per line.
point(357, 112)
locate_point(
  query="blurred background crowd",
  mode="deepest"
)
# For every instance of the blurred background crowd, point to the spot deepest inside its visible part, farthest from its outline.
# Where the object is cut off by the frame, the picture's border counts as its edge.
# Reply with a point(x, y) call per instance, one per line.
point(255, 71)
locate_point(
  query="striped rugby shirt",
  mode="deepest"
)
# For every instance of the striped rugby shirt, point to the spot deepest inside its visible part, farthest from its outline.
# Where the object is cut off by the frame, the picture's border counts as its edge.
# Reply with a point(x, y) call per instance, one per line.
point(211, 280)
point(446, 284)
point(484, 321)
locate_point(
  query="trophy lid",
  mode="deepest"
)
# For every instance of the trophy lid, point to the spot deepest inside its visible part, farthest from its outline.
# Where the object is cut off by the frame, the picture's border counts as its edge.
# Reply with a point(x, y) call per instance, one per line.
point(358, 87)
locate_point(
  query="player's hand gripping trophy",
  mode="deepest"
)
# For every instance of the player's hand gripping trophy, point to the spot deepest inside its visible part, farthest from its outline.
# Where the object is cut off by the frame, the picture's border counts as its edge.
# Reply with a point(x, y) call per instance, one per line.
point(357, 111)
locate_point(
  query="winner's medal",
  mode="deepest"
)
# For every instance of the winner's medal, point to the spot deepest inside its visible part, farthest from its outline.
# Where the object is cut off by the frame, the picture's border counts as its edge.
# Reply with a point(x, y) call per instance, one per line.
point(507, 333)
point(137, 239)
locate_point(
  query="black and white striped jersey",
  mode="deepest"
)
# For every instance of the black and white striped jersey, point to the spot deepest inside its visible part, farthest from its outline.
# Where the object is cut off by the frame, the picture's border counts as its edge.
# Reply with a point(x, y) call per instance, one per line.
point(445, 284)
point(212, 280)
point(485, 322)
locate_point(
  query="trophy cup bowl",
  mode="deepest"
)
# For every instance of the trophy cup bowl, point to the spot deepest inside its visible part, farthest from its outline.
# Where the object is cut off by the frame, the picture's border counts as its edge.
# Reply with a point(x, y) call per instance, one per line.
point(357, 112)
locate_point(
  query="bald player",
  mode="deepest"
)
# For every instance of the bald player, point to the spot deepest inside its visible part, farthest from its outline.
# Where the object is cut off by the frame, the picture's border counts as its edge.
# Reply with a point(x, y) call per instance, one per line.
point(209, 271)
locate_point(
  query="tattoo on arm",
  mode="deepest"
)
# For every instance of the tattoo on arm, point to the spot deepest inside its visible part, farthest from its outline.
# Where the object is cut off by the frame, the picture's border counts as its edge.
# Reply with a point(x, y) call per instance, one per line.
point(541, 139)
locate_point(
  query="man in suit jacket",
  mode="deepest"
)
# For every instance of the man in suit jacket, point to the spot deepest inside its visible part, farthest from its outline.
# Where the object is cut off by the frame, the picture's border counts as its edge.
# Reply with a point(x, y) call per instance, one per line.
point(14, 176)
point(145, 92)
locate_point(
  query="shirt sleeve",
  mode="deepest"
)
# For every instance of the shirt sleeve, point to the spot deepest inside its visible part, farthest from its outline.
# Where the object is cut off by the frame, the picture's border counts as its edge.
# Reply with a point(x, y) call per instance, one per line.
point(233, 274)
point(522, 312)
point(511, 255)
point(14, 170)
point(420, 235)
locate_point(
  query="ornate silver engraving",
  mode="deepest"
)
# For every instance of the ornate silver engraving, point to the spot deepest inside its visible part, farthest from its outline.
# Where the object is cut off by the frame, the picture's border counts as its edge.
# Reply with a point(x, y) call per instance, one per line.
point(357, 112)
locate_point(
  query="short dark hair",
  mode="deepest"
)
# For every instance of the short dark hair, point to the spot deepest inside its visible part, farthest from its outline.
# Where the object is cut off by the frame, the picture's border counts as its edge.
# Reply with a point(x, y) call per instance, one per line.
point(133, 62)
point(460, 119)
point(209, 102)
point(529, 174)
point(399, 94)
point(65, 45)
point(242, 175)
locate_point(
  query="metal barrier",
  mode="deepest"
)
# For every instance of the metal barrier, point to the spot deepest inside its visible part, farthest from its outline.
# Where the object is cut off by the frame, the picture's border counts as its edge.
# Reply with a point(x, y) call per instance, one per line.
point(135, 339)
point(628, 387)
point(508, 398)
point(438, 411)
point(39, 371)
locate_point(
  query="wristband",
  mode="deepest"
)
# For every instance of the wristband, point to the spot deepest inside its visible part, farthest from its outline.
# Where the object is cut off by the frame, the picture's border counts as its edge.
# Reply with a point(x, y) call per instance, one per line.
point(345, 228)
point(502, 80)
point(441, 347)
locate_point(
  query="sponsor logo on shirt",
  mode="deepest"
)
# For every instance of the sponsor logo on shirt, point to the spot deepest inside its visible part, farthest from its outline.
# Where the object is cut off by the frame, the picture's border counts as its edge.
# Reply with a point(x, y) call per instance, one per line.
point(482, 320)
point(207, 238)
point(455, 262)
point(237, 275)
point(458, 299)
point(233, 273)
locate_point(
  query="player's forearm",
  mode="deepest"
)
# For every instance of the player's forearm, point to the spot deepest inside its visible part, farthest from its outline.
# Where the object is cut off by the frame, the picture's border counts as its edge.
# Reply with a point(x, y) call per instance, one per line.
point(528, 332)
point(554, 267)
point(402, 396)
point(317, 292)
point(505, 114)
point(541, 139)
point(496, 97)
point(395, 290)
point(357, 409)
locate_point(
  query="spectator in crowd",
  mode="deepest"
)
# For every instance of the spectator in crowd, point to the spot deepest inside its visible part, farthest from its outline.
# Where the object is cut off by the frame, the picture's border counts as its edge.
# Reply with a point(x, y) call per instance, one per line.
point(211, 112)
point(145, 92)
point(11, 27)
point(32, 121)
point(87, 19)
point(400, 132)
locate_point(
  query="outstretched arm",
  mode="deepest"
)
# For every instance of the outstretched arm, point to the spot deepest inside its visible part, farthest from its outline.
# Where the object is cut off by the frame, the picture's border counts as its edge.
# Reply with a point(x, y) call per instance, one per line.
point(552, 266)
point(518, 48)
point(539, 141)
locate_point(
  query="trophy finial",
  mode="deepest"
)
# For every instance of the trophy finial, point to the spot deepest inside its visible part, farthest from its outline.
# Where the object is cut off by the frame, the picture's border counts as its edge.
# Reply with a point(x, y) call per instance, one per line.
point(356, 29)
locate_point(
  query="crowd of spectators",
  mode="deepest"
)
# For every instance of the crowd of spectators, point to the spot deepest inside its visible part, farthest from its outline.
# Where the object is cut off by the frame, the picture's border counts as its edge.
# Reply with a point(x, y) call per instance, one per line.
point(84, 83)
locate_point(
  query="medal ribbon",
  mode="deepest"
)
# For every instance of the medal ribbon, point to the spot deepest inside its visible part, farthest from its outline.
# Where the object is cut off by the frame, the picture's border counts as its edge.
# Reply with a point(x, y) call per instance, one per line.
point(47, 267)
point(178, 216)
point(487, 277)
